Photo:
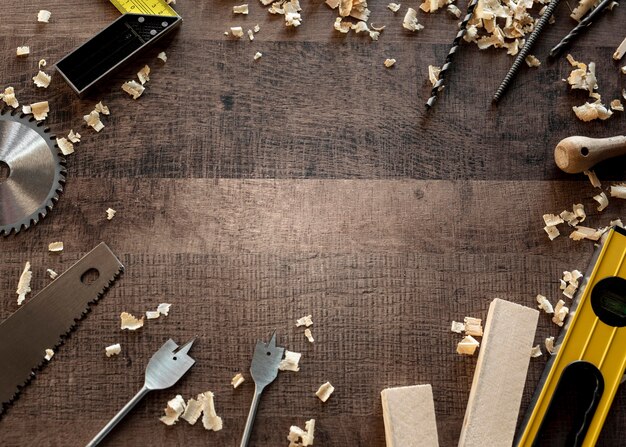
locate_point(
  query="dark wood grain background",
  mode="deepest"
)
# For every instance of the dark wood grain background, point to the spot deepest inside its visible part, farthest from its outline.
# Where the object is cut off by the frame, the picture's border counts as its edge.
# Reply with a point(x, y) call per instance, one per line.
point(312, 181)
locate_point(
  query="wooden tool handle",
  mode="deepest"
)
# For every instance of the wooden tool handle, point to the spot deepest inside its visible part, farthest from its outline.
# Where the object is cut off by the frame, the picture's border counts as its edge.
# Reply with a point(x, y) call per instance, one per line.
point(577, 154)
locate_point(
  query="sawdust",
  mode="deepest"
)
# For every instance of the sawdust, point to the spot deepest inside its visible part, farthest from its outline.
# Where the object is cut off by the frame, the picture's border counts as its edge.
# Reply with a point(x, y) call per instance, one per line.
point(23, 285)
point(324, 391)
point(560, 313)
point(113, 350)
point(258, 55)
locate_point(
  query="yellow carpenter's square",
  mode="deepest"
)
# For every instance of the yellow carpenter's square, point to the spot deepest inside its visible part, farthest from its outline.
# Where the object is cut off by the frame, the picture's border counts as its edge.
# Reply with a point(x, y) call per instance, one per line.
point(143, 22)
point(578, 385)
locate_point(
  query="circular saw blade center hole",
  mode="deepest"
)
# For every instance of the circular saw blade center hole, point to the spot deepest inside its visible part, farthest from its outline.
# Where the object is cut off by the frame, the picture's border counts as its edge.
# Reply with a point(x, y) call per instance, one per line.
point(5, 171)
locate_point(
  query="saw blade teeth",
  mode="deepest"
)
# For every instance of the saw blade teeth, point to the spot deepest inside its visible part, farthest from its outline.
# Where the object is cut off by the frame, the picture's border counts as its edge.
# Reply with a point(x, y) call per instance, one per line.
point(60, 342)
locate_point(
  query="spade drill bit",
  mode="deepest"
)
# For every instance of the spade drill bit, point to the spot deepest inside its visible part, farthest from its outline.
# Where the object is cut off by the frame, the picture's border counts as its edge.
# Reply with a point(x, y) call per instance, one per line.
point(580, 28)
point(519, 60)
point(263, 370)
point(455, 46)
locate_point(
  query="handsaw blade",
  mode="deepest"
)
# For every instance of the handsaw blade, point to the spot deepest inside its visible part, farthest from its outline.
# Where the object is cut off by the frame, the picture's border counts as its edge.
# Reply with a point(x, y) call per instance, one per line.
point(43, 321)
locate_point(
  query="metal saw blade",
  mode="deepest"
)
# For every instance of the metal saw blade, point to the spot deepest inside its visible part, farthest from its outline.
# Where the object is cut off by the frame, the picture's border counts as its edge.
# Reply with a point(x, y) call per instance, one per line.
point(43, 321)
point(36, 172)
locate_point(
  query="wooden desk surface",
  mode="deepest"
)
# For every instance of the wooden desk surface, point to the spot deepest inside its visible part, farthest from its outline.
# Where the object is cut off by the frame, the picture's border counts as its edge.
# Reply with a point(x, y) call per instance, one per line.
point(251, 193)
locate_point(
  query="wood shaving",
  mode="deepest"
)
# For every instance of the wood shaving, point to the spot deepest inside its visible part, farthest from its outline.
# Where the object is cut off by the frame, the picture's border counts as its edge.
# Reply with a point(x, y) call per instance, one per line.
point(592, 111)
point(433, 74)
point(623, 69)
point(256, 28)
point(552, 219)
point(9, 97)
point(55, 246)
point(467, 346)
point(174, 409)
point(43, 16)
point(237, 380)
point(305, 321)
point(593, 178)
point(164, 308)
point(93, 120)
point(618, 191)
point(110, 213)
point(389, 63)
point(22, 51)
point(113, 350)
point(544, 304)
point(193, 411)
point(241, 9)
point(23, 285)
point(395, 7)
point(603, 201)
point(40, 110)
point(101, 108)
point(536, 351)
point(569, 291)
point(532, 61)
point(52, 273)
point(473, 326)
point(457, 327)
point(454, 10)
point(42, 63)
point(210, 419)
point(582, 77)
point(143, 75)
point(133, 88)
point(341, 26)
point(560, 313)
point(586, 233)
point(550, 345)
point(250, 35)
point(616, 223)
point(49, 354)
point(42, 79)
point(152, 314)
point(26, 110)
point(258, 55)
point(162, 56)
point(552, 231)
point(302, 438)
point(579, 212)
point(616, 105)
point(129, 322)
point(324, 391)
point(74, 137)
point(236, 31)
point(620, 51)
point(410, 21)
point(66, 146)
point(309, 335)
point(290, 362)
point(432, 5)
point(583, 7)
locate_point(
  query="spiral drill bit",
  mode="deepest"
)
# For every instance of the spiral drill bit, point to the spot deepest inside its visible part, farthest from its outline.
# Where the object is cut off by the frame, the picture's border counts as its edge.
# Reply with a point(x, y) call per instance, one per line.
point(580, 28)
point(543, 21)
point(455, 46)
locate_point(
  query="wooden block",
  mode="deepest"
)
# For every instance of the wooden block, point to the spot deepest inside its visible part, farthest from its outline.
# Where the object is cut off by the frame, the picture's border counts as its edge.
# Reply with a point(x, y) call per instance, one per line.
point(409, 415)
point(494, 401)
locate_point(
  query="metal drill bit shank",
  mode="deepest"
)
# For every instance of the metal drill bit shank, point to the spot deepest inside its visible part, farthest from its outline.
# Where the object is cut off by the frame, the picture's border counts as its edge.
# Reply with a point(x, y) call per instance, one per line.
point(455, 46)
point(580, 28)
point(519, 60)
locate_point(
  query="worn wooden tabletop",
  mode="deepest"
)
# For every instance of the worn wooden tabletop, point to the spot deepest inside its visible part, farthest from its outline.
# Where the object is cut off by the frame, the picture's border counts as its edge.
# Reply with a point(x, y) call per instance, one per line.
point(312, 181)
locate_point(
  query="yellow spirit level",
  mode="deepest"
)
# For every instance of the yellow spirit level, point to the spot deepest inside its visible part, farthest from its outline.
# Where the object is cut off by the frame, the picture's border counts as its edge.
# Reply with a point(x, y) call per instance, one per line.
point(143, 23)
point(578, 385)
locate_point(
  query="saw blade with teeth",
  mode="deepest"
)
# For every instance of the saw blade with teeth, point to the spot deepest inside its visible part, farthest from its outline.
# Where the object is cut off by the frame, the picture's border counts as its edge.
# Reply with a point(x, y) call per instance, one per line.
point(44, 321)
point(32, 171)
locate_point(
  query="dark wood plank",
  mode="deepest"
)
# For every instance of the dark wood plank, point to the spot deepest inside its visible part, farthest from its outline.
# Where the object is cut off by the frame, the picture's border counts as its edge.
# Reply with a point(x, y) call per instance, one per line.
point(310, 181)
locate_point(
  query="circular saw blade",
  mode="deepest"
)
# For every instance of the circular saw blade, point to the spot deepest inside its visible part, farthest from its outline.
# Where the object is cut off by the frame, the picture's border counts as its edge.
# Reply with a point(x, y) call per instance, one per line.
point(36, 172)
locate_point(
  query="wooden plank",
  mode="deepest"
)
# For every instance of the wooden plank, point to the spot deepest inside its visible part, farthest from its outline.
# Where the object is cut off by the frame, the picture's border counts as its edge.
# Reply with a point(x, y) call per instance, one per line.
point(409, 415)
point(500, 376)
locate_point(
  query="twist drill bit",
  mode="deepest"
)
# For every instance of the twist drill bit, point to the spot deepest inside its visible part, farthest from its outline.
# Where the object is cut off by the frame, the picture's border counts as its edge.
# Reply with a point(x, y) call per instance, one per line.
point(543, 21)
point(580, 28)
point(455, 46)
